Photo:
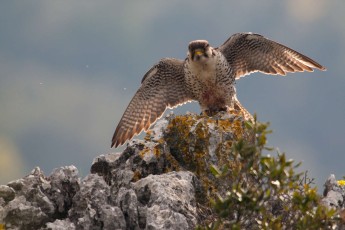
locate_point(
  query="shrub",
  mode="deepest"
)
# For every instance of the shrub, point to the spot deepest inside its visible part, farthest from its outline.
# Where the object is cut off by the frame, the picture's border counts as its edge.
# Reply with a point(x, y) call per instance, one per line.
point(265, 191)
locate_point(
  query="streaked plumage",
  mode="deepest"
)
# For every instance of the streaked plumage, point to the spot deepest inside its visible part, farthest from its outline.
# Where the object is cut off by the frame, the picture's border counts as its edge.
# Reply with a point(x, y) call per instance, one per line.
point(208, 76)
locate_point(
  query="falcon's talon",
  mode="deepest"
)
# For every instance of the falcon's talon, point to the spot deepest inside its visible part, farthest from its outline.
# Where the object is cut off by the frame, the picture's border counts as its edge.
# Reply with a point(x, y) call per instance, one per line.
point(213, 111)
point(208, 76)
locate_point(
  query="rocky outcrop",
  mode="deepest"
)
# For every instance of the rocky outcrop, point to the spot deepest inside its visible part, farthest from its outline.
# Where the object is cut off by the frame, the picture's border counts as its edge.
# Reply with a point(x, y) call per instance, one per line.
point(162, 182)
point(334, 193)
point(158, 183)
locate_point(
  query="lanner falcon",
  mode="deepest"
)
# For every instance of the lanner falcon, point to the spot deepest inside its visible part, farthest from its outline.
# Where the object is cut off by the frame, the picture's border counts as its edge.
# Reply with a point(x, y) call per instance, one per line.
point(208, 76)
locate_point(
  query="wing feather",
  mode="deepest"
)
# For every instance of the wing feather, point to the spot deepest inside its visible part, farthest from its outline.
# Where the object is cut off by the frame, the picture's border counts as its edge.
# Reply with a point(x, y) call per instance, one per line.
point(247, 53)
point(162, 86)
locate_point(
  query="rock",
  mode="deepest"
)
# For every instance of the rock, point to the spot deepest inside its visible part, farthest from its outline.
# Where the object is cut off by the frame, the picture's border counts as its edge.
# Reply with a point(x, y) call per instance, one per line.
point(64, 184)
point(333, 194)
point(127, 200)
point(112, 217)
point(162, 182)
point(169, 200)
point(24, 214)
point(6, 193)
point(65, 224)
point(31, 206)
point(89, 201)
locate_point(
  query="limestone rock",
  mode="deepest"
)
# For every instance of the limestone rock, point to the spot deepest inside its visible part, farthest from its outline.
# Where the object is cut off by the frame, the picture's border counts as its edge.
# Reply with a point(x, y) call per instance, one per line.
point(6, 193)
point(334, 194)
point(169, 200)
point(65, 224)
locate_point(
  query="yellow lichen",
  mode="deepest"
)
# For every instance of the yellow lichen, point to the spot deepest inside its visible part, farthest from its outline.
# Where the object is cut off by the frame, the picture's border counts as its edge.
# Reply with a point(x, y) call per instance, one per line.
point(156, 151)
point(225, 125)
point(148, 135)
point(136, 176)
point(143, 152)
point(174, 165)
point(201, 131)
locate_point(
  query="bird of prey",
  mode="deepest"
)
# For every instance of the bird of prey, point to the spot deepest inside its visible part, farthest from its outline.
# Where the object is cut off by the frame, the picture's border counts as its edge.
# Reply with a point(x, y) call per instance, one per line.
point(208, 76)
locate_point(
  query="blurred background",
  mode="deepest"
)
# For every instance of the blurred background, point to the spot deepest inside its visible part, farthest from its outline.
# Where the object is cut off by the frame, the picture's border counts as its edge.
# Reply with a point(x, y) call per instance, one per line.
point(68, 69)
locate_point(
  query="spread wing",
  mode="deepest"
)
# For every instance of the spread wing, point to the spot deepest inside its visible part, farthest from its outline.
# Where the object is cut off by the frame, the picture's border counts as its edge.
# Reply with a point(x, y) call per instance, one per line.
point(247, 53)
point(163, 86)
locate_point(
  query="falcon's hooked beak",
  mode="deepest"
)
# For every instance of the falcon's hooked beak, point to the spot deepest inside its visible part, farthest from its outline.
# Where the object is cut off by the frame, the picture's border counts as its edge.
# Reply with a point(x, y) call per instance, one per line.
point(199, 52)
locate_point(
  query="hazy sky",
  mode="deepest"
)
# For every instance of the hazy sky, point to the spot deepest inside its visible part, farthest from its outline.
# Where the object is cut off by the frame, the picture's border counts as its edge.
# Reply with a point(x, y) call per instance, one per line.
point(68, 69)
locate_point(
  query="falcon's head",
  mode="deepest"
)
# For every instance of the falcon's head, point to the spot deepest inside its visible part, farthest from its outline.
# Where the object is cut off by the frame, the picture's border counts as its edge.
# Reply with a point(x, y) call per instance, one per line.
point(199, 50)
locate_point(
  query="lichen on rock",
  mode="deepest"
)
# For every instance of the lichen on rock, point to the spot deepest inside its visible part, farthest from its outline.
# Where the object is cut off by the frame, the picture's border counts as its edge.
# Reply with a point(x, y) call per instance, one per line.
point(165, 181)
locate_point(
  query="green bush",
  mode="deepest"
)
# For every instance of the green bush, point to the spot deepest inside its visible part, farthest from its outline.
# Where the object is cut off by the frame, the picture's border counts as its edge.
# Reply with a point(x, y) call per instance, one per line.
point(265, 191)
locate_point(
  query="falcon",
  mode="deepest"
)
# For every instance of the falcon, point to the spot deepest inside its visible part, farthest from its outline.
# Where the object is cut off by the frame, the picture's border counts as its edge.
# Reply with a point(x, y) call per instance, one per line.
point(208, 76)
